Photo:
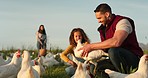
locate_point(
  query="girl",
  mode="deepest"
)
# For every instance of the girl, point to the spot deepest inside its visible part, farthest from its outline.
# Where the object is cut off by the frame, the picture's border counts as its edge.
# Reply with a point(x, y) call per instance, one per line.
point(76, 34)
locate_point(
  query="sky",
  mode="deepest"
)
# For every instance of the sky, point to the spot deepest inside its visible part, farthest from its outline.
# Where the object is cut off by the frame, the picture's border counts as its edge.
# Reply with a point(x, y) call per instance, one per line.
point(20, 20)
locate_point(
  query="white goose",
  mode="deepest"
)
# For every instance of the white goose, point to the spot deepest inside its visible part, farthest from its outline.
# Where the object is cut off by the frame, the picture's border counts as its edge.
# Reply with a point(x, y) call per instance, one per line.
point(2, 60)
point(82, 71)
point(142, 71)
point(27, 71)
point(92, 57)
point(11, 69)
point(39, 66)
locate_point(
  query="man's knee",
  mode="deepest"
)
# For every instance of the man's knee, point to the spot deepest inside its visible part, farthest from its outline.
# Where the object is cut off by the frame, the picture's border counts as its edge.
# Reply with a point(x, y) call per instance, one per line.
point(113, 52)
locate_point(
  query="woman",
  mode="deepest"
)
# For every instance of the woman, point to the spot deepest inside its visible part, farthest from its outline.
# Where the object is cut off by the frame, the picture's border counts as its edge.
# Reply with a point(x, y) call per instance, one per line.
point(41, 38)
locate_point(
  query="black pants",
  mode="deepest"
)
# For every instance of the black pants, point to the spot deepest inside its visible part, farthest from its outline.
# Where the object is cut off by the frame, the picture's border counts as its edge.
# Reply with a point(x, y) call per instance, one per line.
point(123, 60)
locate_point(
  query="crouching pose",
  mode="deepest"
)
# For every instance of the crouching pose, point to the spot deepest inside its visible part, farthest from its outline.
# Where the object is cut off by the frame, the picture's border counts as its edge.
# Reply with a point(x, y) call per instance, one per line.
point(118, 39)
point(76, 34)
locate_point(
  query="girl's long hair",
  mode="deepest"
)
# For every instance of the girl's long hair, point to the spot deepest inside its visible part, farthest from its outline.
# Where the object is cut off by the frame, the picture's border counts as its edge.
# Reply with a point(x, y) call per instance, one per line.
point(84, 36)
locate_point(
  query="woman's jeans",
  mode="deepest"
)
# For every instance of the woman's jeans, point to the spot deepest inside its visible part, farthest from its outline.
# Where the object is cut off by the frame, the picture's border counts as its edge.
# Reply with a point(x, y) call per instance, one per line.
point(41, 46)
point(123, 60)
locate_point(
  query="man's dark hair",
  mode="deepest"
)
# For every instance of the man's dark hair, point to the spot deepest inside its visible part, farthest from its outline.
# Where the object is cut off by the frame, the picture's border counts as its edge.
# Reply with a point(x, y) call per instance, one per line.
point(103, 8)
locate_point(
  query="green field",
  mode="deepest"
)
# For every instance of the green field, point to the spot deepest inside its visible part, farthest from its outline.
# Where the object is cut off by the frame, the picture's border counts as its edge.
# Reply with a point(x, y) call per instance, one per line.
point(55, 72)
point(51, 72)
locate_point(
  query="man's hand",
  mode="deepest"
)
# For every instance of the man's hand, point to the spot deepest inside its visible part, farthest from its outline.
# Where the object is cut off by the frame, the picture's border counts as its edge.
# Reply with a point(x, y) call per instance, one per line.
point(86, 49)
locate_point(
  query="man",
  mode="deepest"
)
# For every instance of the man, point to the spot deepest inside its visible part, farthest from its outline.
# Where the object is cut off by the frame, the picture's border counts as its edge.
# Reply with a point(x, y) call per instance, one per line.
point(118, 39)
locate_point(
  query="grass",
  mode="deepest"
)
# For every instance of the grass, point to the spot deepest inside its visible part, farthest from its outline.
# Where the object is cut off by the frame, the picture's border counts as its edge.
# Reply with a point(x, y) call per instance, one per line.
point(145, 51)
point(55, 72)
point(51, 72)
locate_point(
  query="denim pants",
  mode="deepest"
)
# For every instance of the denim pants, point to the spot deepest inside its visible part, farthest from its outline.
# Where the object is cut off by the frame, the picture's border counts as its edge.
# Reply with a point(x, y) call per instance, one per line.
point(39, 45)
point(123, 60)
point(71, 70)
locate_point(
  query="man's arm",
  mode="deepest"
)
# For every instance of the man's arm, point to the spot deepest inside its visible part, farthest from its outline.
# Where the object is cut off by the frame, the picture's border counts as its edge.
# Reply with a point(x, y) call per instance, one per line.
point(123, 28)
point(115, 41)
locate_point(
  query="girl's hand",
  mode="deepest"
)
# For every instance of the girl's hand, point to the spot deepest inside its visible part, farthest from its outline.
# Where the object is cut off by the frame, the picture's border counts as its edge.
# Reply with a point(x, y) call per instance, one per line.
point(72, 63)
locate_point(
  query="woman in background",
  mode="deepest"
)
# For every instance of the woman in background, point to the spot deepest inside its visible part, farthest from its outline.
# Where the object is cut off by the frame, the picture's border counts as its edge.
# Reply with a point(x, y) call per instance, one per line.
point(41, 39)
